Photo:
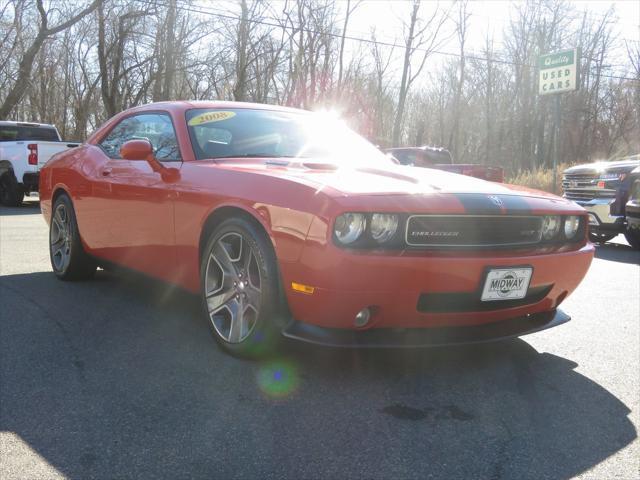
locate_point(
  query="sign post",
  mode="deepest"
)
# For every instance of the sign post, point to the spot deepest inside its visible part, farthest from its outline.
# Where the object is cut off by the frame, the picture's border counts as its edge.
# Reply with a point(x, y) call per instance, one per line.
point(558, 72)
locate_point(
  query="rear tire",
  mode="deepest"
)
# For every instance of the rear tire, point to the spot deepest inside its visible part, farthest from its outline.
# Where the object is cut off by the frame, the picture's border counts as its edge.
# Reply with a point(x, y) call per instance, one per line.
point(633, 237)
point(11, 193)
point(241, 289)
point(68, 258)
point(596, 237)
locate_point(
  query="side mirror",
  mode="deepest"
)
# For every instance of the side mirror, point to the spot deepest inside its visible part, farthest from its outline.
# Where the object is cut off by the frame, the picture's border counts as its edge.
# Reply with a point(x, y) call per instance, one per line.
point(137, 150)
point(142, 150)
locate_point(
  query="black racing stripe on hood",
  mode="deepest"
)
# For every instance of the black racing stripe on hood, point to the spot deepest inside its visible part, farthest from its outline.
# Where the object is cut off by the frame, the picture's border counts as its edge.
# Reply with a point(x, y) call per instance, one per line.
point(484, 204)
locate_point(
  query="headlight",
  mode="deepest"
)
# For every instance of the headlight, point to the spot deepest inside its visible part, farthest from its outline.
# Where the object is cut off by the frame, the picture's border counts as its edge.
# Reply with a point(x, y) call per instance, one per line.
point(571, 225)
point(550, 226)
point(349, 227)
point(611, 176)
point(383, 226)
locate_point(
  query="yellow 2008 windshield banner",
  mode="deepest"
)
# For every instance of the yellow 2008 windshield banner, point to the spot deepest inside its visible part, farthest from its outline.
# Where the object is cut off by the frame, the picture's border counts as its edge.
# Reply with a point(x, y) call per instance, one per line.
point(210, 117)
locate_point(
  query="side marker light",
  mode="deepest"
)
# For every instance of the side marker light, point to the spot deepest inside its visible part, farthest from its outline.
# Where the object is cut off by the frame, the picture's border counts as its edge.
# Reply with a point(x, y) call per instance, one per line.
point(299, 287)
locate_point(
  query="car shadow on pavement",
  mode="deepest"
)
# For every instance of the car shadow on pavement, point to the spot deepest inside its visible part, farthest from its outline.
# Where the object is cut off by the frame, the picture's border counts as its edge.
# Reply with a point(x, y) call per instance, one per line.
point(617, 252)
point(120, 378)
point(29, 207)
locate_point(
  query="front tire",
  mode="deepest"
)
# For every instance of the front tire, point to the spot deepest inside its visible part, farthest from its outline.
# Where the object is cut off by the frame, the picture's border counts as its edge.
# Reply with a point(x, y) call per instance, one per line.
point(240, 289)
point(11, 193)
point(597, 237)
point(68, 258)
point(633, 237)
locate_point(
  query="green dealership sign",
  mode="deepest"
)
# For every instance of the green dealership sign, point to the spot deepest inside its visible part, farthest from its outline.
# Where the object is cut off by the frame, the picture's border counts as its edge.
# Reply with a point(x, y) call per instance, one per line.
point(558, 72)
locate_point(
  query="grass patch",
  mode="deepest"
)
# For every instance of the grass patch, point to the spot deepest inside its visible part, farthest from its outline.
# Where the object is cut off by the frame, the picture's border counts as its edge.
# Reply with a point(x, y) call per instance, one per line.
point(540, 178)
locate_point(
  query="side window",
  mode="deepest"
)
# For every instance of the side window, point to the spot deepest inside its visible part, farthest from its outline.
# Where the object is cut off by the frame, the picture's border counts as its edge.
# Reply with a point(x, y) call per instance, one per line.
point(155, 127)
point(406, 158)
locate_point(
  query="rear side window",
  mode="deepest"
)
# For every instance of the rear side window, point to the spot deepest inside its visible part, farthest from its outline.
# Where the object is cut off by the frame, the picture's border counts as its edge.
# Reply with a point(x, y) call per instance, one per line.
point(405, 157)
point(155, 127)
point(13, 133)
point(438, 156)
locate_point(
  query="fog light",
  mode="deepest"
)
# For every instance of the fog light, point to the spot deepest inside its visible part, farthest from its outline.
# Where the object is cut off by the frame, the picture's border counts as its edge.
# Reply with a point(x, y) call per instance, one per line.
point(362, 318)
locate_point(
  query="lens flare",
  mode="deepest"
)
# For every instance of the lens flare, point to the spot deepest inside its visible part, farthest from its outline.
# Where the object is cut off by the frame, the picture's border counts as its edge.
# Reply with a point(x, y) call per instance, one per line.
point(278, 379)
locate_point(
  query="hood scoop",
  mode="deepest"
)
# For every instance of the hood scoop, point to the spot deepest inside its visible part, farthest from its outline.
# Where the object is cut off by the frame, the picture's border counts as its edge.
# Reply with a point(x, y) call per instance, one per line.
point(320, 166)
point(389, 174)
point(419, 179)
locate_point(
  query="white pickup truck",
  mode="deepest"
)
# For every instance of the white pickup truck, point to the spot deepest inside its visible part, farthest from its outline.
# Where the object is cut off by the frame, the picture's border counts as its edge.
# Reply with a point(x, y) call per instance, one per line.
point(24, 148)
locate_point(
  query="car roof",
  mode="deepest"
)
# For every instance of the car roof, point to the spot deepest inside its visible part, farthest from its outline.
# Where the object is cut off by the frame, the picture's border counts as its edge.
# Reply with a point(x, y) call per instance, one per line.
point(423, 148)
point(183, 105)
point(14, 123)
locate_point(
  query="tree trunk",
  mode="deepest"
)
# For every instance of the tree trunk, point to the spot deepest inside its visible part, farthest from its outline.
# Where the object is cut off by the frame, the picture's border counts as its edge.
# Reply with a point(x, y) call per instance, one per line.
point(240, 88)
point(404, 83)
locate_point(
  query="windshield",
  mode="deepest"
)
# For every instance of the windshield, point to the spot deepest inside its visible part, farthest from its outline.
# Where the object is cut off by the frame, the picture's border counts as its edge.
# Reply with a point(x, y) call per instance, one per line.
point(264, 133)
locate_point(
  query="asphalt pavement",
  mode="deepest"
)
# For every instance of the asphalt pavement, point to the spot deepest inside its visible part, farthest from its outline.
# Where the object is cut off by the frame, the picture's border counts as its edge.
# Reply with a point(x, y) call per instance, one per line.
point(119, 377)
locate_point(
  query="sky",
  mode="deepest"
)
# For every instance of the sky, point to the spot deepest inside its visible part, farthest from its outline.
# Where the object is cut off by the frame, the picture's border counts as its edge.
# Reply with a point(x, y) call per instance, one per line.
point(486, 17)
point(491, 16)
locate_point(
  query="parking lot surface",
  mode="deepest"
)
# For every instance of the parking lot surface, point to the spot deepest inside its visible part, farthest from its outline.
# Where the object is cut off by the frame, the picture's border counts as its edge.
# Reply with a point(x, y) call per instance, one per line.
point(119, 377)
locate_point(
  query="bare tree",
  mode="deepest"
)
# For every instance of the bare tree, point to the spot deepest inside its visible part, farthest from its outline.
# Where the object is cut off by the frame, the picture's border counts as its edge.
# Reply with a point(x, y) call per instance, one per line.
point(461, 23)
point(421, 36)
point(120, 57)
point(350, 9)
point(45, 31)
point(484, 106)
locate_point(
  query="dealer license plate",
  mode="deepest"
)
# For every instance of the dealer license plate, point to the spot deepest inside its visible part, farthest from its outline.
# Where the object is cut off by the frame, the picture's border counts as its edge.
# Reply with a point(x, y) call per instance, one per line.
point(506, 284)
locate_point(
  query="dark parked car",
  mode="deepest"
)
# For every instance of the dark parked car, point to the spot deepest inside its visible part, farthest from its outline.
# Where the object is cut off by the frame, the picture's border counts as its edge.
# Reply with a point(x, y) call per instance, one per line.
point(632, 210)
point(602, 188)
point(441, 159)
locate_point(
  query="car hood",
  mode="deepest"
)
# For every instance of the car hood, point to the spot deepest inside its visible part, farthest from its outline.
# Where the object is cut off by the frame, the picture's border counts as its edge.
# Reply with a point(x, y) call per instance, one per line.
point(383, 180)
point(621, 166)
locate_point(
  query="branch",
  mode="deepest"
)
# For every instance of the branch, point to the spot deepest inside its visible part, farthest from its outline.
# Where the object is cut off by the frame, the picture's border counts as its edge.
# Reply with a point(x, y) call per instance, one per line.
point(64, 25)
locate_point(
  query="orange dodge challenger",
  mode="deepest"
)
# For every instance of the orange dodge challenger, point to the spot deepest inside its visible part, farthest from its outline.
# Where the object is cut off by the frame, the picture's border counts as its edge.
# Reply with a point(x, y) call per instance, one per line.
point(287, 223)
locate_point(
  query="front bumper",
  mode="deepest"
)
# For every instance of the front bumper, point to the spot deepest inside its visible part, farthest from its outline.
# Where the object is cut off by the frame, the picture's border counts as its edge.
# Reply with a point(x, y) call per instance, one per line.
point(425, 337)
point(424, 290)
point(600, 217)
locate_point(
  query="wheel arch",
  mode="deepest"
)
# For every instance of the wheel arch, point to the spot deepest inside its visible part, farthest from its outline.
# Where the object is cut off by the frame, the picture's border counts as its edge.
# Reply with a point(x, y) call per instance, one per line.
point(57, 191)
point(224, 212)
point(46, 204)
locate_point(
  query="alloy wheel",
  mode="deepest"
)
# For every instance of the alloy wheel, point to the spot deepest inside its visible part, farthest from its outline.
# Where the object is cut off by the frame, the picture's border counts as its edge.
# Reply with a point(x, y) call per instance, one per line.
point(60, 238)
point(233, 287)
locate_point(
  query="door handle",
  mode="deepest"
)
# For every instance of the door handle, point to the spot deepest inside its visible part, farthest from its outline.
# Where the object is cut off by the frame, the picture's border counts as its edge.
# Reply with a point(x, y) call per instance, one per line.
point(106, 172)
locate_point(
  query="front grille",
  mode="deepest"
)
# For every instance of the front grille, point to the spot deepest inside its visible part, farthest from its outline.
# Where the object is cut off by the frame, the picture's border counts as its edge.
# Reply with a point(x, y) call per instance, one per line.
point(470, 302)
point(585, 195)
point(472, 230)
point(583, 187)
point(579, 179)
